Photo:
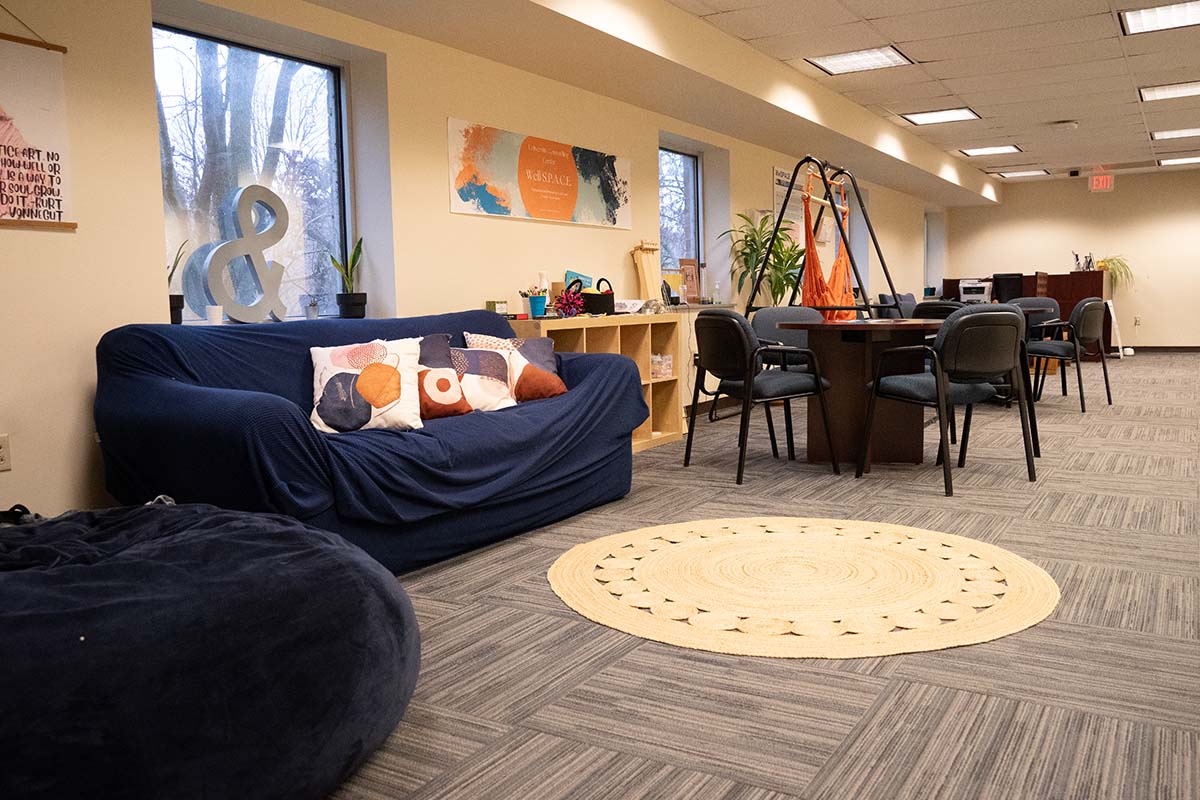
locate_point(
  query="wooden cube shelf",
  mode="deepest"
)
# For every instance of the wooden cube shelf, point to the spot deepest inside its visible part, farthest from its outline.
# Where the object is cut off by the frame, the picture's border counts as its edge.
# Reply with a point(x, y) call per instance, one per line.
point(636, 336)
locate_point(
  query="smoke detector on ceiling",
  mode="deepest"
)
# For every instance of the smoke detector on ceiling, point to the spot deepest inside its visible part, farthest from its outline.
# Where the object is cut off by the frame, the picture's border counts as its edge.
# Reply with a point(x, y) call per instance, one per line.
point(1065, 125)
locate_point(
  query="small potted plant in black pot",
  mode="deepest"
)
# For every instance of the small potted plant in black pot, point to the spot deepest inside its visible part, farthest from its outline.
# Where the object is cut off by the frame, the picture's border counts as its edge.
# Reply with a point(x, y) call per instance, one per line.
point(176, 299)
point(351, 304)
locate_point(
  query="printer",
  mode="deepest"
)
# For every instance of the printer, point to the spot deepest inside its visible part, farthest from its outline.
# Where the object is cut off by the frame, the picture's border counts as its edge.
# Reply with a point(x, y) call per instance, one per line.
point(971, 291)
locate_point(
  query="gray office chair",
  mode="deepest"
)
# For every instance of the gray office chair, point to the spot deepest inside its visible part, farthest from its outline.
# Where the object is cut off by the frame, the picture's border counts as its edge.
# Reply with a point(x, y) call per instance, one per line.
point(935, 309)
point(1045, 310)
point(907, 301)
point(728, 348)
point(1084, 329)
point(974, 345)
point(766, 326)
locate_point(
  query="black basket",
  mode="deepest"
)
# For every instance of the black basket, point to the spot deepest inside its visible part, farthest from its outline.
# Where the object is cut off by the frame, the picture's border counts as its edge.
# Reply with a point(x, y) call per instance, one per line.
point(605, 303)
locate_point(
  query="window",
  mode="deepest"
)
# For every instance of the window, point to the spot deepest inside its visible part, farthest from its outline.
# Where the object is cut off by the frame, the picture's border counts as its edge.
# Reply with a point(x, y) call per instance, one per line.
point(679, 208)
point(232, 116)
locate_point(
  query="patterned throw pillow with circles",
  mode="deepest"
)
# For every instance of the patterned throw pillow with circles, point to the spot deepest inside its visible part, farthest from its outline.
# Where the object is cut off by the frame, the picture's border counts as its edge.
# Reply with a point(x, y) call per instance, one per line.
point(532, 368)
point(438, 384)
point(369, 385)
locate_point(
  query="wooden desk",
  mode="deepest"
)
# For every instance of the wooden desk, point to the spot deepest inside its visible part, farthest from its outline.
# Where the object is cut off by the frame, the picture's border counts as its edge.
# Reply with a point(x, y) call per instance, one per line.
point(848, 352)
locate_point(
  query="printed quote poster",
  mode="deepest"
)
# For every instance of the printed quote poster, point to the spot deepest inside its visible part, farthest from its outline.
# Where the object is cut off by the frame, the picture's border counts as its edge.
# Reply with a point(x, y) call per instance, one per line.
point(34, 187)
point(501, 173)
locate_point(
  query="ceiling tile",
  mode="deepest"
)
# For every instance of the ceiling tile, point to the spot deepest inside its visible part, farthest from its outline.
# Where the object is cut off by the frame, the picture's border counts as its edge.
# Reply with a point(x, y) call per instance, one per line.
point(1026, 37)
point(838, 39)
point(983, 17)
point(781, 16)
point(1018, 60)
point(1104, 91)
point(1180, 40)
point(697, 7)
point(1079, 74)
point(872, 9)
point(891, 95)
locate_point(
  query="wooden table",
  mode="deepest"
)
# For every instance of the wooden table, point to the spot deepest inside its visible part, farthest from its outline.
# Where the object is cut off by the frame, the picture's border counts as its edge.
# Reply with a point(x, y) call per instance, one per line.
point(848, 352)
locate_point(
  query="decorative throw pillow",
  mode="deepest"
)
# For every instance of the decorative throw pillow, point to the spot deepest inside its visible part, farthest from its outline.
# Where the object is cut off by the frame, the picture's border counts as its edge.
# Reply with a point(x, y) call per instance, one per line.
point(484, 378)
point(532, 368)
point(440, 390)
point(369, 385)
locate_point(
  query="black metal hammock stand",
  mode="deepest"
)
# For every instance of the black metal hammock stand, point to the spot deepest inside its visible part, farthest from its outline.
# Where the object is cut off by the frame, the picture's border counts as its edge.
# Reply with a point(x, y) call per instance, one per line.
point(829, 175)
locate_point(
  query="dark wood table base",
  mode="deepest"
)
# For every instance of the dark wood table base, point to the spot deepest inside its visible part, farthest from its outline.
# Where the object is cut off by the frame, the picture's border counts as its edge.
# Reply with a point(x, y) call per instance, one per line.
point(848, 353)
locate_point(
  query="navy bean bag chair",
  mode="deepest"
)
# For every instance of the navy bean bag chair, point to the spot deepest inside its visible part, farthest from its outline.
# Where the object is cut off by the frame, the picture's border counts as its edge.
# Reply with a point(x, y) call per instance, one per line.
point(190, 652)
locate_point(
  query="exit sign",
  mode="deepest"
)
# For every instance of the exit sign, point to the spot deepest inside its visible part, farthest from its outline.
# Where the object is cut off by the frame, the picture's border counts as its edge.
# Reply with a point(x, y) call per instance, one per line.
point(1103, 182)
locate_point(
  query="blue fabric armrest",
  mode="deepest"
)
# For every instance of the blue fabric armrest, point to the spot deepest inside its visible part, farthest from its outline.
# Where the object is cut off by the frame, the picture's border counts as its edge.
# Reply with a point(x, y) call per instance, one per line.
point(229, 447)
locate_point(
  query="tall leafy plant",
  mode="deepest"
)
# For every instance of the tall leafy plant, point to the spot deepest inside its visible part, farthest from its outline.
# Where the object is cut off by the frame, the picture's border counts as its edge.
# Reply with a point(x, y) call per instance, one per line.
point(748, 245)
point(1118, 269)
point(349, 270)
point(174, 265)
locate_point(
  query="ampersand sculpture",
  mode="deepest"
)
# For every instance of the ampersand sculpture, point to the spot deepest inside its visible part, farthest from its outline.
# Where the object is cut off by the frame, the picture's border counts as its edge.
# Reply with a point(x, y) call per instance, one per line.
point(249, 244)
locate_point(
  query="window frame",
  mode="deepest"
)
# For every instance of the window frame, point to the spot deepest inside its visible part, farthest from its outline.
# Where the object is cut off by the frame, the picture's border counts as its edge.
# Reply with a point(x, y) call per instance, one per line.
point(697, 186)
point(340, 94)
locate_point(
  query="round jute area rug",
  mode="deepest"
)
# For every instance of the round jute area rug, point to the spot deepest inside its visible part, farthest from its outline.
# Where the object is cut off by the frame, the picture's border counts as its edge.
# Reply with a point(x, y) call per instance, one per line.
point(803, 588)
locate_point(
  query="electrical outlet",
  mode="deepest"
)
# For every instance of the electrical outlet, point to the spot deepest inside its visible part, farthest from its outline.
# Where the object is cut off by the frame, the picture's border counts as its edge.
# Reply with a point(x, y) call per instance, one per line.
point(1137, 322)
point(5, 453)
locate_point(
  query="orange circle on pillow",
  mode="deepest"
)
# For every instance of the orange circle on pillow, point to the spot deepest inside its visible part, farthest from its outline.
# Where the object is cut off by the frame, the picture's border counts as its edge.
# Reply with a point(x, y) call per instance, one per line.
point(379, 384)
point(547, 178)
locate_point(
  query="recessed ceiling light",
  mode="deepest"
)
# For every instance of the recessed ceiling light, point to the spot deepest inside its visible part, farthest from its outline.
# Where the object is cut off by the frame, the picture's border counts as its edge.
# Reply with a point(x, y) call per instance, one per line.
point(1144, 20)
point(1175, 162)
point(945, 115)
point(990, 151)
point(860, 60)
point(1182, 133)
point(1025, 173)
point(1170, 91)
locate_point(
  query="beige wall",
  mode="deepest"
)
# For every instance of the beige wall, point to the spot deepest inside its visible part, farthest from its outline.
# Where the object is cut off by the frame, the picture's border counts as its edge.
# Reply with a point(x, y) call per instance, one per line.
point(1151, 219)
point(111, 271)
point(899, 222)
point(60, 291)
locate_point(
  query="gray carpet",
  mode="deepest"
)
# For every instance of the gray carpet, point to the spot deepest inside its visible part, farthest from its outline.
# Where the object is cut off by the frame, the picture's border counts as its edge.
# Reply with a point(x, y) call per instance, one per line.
point(521, 699)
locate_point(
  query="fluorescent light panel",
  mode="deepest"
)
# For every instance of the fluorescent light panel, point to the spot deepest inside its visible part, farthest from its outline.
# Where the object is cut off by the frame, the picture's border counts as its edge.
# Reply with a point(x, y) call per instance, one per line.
point(1170, 91)
point(1175, 162)
point(990, 151)
point(1024, 173)
point(1145, 20)
point(860, 60)
point(1182, 133)
point(945, 115)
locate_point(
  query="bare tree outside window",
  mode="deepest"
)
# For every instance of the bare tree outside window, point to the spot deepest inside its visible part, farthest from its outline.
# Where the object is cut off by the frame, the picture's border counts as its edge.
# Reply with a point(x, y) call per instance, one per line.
point(678, 208)
point(231, 116)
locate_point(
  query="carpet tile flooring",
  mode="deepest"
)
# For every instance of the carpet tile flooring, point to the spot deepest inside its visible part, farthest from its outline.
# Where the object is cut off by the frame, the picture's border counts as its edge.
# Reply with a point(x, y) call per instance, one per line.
point(521, 699)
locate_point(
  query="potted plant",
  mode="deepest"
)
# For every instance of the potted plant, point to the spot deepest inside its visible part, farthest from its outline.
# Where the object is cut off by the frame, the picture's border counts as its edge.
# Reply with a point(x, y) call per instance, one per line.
point(351, 304)
point(176, 300)
point(748, 246)
point(1118, 269)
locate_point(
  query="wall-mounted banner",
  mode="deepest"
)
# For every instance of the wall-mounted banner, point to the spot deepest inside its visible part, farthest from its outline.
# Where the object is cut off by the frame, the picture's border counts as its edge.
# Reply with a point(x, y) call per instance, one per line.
point(34, 172)
point(497, 172)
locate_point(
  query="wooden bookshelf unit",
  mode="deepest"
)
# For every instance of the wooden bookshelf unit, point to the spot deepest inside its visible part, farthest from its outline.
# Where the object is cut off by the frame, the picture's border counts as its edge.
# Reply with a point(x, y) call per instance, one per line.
point(636, 336)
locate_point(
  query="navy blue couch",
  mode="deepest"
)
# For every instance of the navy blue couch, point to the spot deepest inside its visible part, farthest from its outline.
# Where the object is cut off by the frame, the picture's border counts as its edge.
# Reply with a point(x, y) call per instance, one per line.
point(219, 414)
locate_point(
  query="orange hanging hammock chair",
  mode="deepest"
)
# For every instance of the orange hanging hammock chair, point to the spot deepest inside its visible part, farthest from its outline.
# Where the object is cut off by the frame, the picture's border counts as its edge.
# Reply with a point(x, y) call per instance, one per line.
point(838, 290)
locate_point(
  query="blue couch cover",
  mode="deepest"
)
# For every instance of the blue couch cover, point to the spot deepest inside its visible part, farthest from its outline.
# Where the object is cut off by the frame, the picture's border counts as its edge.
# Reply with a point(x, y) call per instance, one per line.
point(219, 414)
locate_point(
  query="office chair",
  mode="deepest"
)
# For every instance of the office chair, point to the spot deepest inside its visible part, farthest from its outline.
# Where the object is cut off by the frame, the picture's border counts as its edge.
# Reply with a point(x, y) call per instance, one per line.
point(974, 345)
point(728, 348)
point(1084, 329)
